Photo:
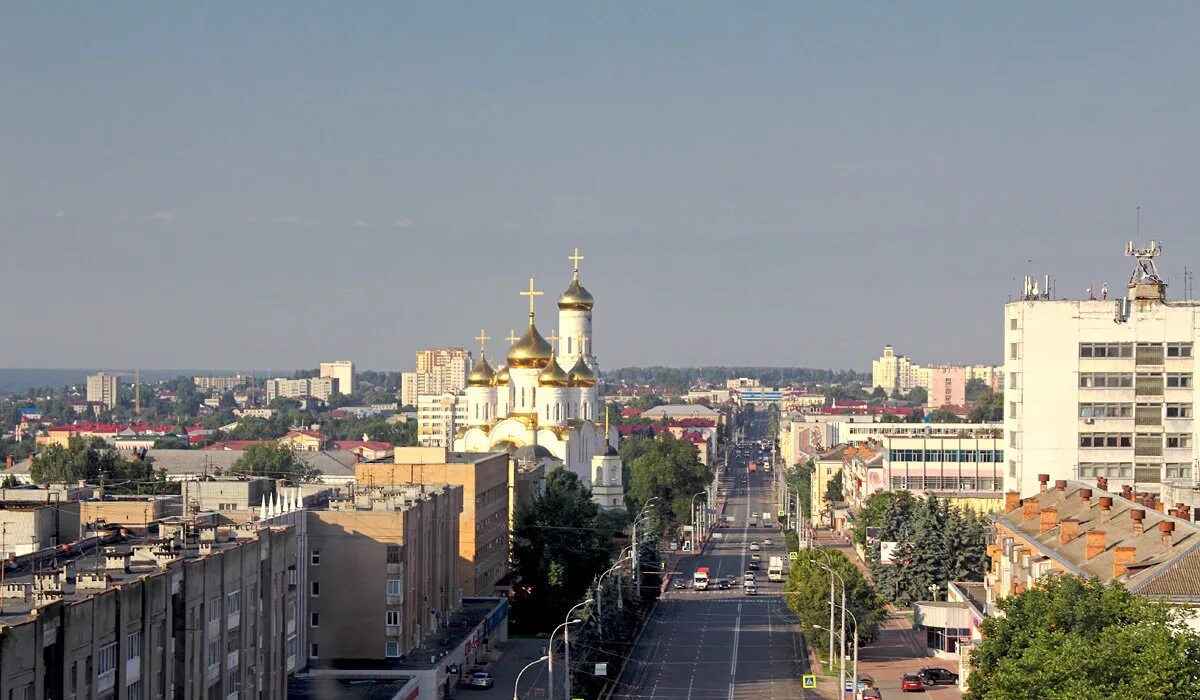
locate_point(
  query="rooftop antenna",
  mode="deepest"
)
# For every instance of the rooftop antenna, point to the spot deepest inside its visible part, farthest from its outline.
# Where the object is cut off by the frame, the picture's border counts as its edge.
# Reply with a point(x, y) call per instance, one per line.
point(1187, 283)
point(137, 392)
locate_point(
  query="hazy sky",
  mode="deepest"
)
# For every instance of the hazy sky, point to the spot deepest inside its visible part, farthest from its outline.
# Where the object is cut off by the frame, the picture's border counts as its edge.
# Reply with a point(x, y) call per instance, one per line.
point(273, 184)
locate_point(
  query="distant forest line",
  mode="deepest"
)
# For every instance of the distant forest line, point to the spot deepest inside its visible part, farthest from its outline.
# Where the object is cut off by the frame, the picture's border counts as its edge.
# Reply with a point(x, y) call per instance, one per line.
point(683, 377)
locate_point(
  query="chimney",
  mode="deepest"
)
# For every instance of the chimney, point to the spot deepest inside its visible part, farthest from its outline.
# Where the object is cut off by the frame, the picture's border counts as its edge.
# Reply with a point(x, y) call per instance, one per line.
point(1012, 501)
point(1085, 498)
point(1105, 507)
point(1030, 508)
point(1138, 515)
point(1044, 481)
point(1094, 540)
point(1102, 483)
point(1122, 558)
point(1060, 485)
point(8, 462)
point(1173, 513)
point(1068, 530)
point(1158, 505)
point(1127, 492)
point(1165, 528)
point(1049, 520)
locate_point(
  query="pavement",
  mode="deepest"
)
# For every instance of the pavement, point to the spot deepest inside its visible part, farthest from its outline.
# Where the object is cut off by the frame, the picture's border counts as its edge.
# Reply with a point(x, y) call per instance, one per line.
point(722, 644)
point(518, 652)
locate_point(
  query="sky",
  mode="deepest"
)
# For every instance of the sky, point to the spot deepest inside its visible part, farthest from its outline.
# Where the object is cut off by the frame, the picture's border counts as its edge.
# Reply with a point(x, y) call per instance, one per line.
point(274, 184)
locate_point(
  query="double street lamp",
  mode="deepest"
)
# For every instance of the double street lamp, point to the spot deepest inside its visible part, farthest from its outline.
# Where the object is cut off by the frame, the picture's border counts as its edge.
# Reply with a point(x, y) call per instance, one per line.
point(531, 664)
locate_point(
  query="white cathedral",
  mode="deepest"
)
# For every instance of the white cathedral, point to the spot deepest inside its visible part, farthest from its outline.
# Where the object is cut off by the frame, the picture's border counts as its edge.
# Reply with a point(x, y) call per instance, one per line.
point(545, 400)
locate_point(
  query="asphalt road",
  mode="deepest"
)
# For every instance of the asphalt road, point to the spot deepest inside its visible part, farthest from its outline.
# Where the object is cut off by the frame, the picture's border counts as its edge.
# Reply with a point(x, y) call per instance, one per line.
point(722, 644)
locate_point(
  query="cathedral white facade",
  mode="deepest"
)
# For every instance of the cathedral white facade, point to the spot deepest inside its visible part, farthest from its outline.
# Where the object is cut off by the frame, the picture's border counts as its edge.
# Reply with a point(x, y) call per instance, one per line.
point(545, 400)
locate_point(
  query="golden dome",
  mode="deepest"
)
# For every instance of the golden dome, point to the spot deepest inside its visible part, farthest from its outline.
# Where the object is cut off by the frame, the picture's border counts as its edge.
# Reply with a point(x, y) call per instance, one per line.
point(553, 375)
point(581, 374)
point(576, 297)
point(482, 374)
point(502, 376)
point(531, 350)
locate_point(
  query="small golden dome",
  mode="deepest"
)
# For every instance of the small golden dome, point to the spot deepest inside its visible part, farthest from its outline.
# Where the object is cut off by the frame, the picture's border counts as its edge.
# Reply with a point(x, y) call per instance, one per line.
point(502, 376)
point(576, 297)
point(553, 375)
point(531, 350)
point(581, 374)
point(482, 374)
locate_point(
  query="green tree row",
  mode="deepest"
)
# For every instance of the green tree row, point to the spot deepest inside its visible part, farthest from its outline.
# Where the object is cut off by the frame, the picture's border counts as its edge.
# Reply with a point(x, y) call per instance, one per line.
point(94, 461)
point(807, 594)
point(668, 469)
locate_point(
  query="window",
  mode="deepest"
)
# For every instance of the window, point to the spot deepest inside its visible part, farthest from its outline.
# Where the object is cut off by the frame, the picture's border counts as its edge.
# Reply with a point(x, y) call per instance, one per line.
point(1014, 351)
point(393, 618)
point(133, 691)
point(315, 589)
point(73, 679)
point(314, 651)
point(1012, 409)
point(1179, 349)
point(315, 557)
point(1178, 470)
point(1012, 323)
point(1014, 380)
point(214, 652)
point(1181, 380)
point(393, 554)
point(1105, 410)
point(1105, 380)
point(107, 659)
point(314, 619)
point(1105, 440)
point(1106, 349)
point(214, 609)
point(1179, 410)
point(1179, 439)
point(291, 645)
point(233, 603)
point(235, 680)
point(133, 646)
point(393, 587)
point(391, 649)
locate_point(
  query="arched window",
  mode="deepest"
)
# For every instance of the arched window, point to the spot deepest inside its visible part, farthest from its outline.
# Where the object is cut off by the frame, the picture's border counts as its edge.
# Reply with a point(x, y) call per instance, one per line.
point(599, 475)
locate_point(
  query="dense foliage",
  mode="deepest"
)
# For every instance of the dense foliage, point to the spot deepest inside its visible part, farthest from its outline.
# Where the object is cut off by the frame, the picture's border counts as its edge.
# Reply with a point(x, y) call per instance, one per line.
point(681, 378)
point(935, 543)
point(1070, 638)
point(273, 460)
point(807, 594)
point(799, 481)
point(669, 469)
point(873, 509)
point(95, 462)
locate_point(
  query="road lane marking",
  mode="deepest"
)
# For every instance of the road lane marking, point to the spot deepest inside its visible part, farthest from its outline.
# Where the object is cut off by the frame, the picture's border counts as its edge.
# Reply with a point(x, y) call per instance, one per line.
point(737, 632)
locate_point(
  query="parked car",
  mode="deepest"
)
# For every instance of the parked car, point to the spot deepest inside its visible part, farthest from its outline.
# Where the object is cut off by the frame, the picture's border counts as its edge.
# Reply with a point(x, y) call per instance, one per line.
point(481, 680)
point(911, 683)
point(935, 675)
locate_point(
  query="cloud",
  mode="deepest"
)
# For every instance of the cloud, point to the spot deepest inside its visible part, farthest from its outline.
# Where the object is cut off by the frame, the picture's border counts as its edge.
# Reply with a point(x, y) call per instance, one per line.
point(361, 224)
point(285, 219)
point(59, 214)
point(161, 216)
point(404, 223)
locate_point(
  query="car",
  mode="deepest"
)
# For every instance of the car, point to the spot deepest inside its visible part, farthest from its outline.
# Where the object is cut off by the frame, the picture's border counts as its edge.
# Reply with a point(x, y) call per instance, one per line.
point(753, 546)
point(752, 589)
point(731, 579)
point(936, 675)
point(767, 542)
point(870, 694)
point(678, 583)
point(748, 577)
point(911, 683)
point(723, 584)
point(753, 566)
point(481, 680)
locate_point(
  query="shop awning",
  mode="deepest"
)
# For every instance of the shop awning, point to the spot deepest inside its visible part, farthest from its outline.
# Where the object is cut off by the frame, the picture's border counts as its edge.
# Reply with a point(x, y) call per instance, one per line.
point(943, 615)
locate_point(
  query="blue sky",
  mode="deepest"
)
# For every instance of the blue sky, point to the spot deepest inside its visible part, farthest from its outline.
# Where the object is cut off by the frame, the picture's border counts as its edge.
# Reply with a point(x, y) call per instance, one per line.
point(272, 184)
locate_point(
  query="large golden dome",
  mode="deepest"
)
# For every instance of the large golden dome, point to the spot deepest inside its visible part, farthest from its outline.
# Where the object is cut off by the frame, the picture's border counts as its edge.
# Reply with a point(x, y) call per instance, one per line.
point(581, 374)
point(502, 376)
point(553, 375)
point(576, 297)
point(482, 374)
point(531, 350)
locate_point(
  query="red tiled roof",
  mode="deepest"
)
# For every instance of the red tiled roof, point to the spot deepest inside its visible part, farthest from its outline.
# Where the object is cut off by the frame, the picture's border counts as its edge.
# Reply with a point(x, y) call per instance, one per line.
point(237, 444)
point(691, 436)
point(375, 445)
point(628, 412)
point(306, 433)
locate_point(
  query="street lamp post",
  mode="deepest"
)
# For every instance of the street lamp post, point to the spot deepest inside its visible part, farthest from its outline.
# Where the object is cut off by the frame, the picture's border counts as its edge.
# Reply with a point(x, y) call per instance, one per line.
point(600, 586)
point(531, 664)
point(824, 552)
point(842, 672)
point(855, 618)
point(550, 654)
point(695, 520)
point(567, 652)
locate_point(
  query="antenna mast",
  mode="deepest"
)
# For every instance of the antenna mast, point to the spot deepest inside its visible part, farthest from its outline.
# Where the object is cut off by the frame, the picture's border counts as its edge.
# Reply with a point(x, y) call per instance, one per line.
point(137, 392)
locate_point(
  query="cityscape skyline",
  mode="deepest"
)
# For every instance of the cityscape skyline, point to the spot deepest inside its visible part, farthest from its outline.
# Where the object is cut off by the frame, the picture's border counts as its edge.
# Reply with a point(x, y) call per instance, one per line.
point(419, 167)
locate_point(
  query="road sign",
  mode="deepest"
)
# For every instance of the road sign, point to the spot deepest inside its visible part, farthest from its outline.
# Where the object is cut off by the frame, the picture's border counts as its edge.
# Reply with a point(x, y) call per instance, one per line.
point(849, 685)
point(793, 555)
point(782, 513)
point(602, 669)
point(810, 681)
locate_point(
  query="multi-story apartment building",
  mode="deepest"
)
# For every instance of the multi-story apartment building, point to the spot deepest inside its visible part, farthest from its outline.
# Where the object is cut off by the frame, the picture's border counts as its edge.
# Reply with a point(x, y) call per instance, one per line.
point(399, 546)
point(945, 384)
point(343, 372)
point(439, 371)
point(1102, 387)
point(483, 524)
point(317, 387)
point(208, 615)
point(220, 385)
point(102, 388)
point(439, 417)
point(892, 372)
point(965, 468)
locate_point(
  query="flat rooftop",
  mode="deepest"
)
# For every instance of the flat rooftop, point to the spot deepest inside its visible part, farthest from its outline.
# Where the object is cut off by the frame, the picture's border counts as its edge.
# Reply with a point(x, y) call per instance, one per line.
point(339, 688)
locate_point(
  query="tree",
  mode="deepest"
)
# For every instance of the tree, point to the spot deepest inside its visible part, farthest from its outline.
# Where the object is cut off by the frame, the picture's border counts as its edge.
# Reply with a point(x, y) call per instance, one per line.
point(669, 469)
point(273, 460)
point(879, 393)
point(1070, 637)
point(807, 594)
point(977, 389)
point(988, 409)
point(560, 544)
point(942, 415)
point(917, 395)
point(93, 461)
point(835, 490)
point(799, 481)
point(875, 507)
point(917, 416)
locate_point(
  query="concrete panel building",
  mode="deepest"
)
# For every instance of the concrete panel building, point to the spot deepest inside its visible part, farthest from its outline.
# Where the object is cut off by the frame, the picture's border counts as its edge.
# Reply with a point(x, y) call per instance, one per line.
point(102, 388)
point(483, 524)
point(342, 371)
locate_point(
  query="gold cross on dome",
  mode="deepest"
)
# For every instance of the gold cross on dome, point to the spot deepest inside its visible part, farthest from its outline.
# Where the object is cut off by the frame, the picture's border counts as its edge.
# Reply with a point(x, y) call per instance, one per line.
point(532, 294)
point(554, 340)
point(575, 259)
point(512, 337)
point(482, 338)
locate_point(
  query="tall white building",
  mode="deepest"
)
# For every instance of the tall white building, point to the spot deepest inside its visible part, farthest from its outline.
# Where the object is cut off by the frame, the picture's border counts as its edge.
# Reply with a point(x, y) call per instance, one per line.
point(439, 416)
point(102, 388)
point(1101, 387)
point(439, 371)
point(343, 372)
point(317, 387)
point(893, 372)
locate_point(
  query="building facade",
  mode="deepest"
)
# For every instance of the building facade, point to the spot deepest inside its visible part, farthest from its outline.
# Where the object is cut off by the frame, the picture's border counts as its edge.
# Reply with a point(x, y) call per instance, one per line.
point(102, 388)
point(439, 417)
point(439, 371)
point(483, 522)
point(220, 385)
point(1102, 387)
point(342, 371)
point(317, 387)
point(893, 373)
